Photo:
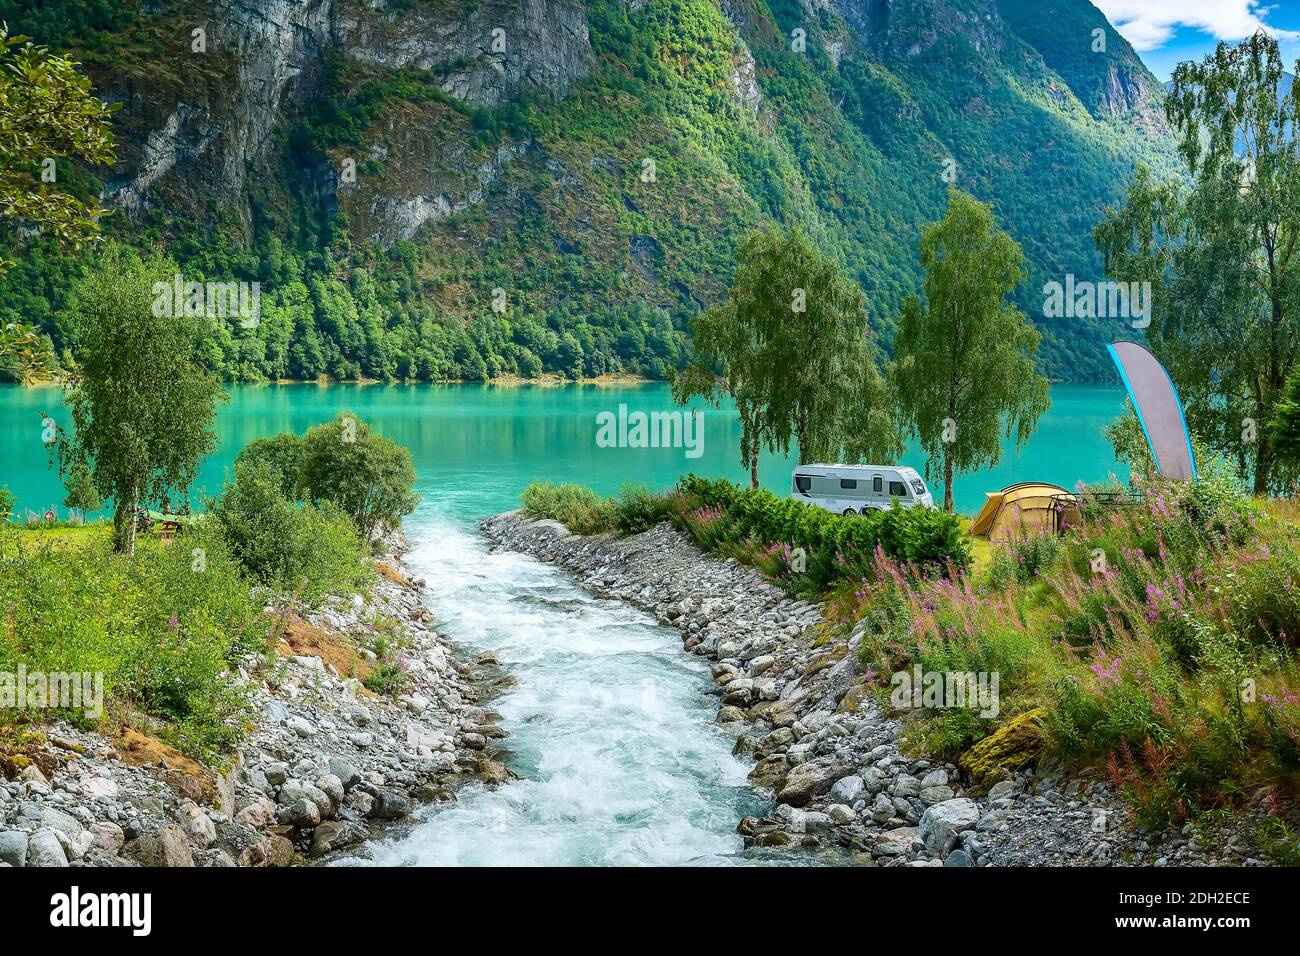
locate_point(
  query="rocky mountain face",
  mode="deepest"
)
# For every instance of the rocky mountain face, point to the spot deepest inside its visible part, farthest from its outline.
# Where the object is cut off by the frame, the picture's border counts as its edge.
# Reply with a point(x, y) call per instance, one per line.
point(274, 54)
point(587, 155)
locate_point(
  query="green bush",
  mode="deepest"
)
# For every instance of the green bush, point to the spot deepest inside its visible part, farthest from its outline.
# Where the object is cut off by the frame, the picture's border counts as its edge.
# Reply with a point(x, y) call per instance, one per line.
point(283, 452)
point(7, 502)
point(835, 545)
point(576, 507)
point(302, 549)
point(637, 508)
point(370, 477)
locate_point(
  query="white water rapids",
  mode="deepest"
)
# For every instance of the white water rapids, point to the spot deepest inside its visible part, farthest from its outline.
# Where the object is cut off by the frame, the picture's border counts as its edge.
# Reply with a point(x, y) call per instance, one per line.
point(612, 734)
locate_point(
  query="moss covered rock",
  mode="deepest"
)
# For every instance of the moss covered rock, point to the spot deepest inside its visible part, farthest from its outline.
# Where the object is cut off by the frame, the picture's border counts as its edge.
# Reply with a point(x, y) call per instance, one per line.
point(1013, 745)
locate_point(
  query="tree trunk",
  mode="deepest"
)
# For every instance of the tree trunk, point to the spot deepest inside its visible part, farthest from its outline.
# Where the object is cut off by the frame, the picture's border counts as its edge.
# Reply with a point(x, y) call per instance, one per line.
point(120, 519)
point(130, 527)
point(1263, 462)
point(947, 482)
point(753, 468)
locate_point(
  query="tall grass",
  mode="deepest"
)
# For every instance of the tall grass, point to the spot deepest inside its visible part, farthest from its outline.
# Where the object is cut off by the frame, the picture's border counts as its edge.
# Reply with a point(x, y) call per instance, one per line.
point(1161, 639)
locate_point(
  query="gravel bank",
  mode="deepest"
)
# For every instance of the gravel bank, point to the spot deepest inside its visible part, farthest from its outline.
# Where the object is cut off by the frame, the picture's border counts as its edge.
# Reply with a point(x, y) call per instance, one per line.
point(827, 751)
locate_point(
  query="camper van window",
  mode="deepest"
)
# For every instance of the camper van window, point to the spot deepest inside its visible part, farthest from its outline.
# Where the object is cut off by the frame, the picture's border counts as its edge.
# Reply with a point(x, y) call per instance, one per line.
point(917, 486)
point(877, 484)
point(803, 483)
point(898, 489)
point(848, 483)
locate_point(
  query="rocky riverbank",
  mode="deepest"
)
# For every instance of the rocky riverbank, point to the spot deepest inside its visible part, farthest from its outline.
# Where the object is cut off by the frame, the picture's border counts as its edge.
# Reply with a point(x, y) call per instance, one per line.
point(826, 749)
point(326, 763)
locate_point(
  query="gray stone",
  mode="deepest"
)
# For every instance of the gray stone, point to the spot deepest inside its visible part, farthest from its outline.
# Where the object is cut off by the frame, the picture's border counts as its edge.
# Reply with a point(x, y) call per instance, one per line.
point(932, 795)
point(958, 858)
point(13, 848)
point(348, 774)
point(841, 814)
point(45, 848)
point(941, 823)
point(809, 780)
point(336, 835)
point(847, 789)
point(300, 813)
point(166, 846)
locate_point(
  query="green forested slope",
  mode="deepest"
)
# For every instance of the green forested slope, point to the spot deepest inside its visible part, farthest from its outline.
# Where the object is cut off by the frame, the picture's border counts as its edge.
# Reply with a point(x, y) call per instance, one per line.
point(547, 192)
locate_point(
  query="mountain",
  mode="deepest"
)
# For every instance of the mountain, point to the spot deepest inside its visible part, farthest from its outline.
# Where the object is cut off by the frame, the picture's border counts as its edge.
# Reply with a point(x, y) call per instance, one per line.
point(559, 185)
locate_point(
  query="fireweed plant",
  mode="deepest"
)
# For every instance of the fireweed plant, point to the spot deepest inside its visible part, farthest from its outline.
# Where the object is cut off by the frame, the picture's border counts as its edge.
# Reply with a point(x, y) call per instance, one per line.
point(1159, 638)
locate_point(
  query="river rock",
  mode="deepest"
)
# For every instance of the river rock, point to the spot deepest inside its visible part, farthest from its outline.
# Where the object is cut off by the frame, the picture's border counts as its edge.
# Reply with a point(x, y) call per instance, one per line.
point(108, 836)
point(196, 824)
point(302, 813)
point(809, 780)
point(13, 848)
point(46, 849)
point(847, 789)
point(166, 846)
point(942, 823)
point(336, 835)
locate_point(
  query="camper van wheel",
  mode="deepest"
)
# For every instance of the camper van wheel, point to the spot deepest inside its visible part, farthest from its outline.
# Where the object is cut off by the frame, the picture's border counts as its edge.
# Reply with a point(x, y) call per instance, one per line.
point(849, 511)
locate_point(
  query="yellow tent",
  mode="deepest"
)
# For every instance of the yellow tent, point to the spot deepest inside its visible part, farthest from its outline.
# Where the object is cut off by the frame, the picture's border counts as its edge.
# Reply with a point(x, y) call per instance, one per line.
point(1027, 508)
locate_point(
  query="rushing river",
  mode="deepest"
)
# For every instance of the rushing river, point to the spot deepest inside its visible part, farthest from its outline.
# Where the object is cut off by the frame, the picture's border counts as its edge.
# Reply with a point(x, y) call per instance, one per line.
point(611, 732)
point(612, 735)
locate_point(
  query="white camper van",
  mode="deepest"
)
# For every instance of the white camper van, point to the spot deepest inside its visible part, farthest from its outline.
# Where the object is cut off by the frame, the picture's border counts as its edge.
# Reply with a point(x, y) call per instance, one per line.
point(853, 489)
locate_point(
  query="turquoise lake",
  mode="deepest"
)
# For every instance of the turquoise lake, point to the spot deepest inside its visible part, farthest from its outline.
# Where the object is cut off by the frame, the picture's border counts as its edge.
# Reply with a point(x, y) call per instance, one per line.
point(477, 446)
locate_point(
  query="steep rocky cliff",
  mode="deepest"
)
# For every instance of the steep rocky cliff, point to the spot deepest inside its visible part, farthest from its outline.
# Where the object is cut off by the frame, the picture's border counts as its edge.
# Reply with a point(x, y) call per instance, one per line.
point(381, 165)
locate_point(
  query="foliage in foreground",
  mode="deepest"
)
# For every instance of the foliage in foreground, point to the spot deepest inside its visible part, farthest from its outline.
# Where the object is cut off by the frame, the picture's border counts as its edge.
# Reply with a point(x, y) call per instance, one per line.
point(1160, 639)
point(163, 634)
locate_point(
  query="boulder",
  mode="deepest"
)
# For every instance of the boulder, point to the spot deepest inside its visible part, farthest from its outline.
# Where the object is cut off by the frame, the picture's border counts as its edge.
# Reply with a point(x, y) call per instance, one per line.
point(348, 774)
point(301, 813)
point(196, 824)
point(45, 848)
point(103, 788)
point(108, 837)
point(13, 848)
point(1015, 744)
point(336, 835)
point(809, 780)
point(166, 846)
point(942, 823)
point(848, 789)
point(769, 771)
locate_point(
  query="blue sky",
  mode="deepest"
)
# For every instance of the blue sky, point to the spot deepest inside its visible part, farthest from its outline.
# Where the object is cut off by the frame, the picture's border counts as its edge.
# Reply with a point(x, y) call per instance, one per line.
point(1167, 31)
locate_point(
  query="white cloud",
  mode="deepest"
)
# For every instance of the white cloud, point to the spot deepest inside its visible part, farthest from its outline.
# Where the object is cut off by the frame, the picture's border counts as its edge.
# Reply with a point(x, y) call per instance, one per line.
point(1148, 24)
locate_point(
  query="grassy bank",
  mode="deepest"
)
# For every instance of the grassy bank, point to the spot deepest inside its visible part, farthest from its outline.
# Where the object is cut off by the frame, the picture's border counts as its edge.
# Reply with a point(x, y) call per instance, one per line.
point(167, 626)
point(1157, 642)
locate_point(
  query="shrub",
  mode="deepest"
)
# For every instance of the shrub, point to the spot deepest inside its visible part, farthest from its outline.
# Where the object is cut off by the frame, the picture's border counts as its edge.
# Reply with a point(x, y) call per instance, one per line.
point(577, 507)
point(370, 477)
point(834, 546)
point(301, 549)
point(284, 453)
point(7, 502)
point(637, 508)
